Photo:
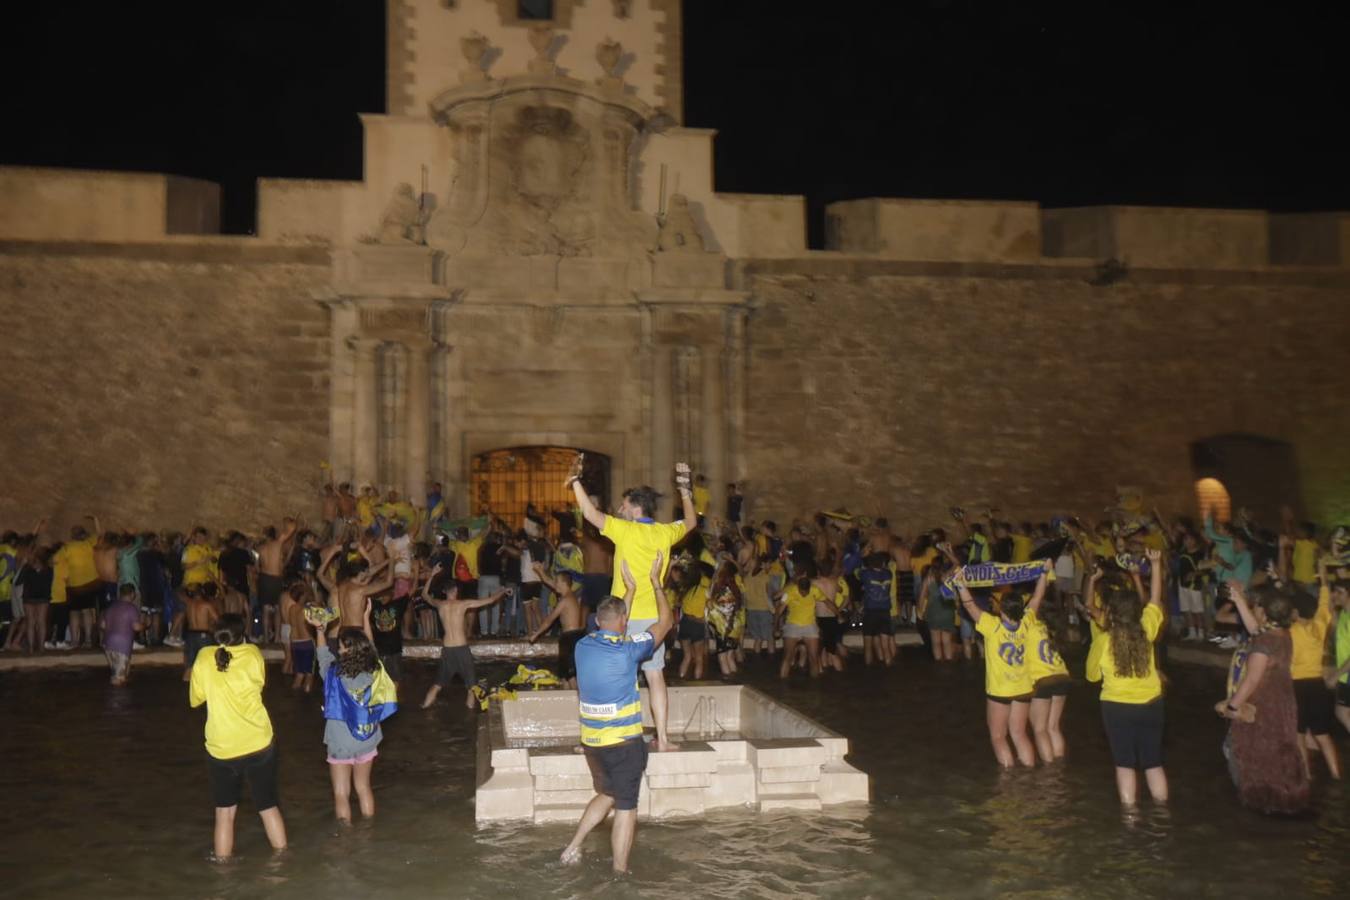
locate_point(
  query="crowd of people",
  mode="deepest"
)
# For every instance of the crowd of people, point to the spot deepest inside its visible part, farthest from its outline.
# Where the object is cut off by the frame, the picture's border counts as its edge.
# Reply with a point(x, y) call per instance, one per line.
point(343, 596)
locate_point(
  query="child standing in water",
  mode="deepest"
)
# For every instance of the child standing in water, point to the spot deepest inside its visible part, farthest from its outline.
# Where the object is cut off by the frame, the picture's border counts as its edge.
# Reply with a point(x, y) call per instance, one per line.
point(1007, 686)
point(357, 695)
point(456, 657)
point(239, 743)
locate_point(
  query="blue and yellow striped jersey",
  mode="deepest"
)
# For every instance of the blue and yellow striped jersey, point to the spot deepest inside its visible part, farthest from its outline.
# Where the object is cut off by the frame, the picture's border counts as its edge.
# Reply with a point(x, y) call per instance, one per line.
point(610, 707)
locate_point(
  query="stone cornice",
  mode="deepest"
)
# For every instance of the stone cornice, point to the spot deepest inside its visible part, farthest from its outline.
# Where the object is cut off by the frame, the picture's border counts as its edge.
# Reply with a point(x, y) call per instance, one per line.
point(447, 101)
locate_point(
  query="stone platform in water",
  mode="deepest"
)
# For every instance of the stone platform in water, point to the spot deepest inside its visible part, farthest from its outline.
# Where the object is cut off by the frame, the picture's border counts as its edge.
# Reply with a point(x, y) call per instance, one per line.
point(739, 748)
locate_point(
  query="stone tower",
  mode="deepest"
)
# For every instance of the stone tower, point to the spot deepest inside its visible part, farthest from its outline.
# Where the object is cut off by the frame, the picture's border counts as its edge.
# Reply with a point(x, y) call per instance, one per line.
point(533, 257)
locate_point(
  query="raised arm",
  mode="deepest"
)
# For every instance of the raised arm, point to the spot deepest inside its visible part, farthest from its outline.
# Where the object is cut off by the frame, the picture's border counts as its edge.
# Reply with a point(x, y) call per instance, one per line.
point(1155, 577)
point(324, 562)
point(684, 485)
point(486, 601)
point(629, 586)
point(1037, 595)
point(972, 608)
point(1244, 609)
point(664, 617)
point(588, 510)
point(547, 580)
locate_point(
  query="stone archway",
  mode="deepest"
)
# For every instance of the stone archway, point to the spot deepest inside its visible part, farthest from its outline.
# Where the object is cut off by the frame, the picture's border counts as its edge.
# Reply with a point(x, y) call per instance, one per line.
point(1259, 473)
point(510, 479)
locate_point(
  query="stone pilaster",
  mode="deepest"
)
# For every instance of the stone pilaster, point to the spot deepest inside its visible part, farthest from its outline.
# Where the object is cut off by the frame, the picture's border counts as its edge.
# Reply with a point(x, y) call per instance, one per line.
point(365, 426)
point(417, 404)
point(713, 424)
point(342, 324)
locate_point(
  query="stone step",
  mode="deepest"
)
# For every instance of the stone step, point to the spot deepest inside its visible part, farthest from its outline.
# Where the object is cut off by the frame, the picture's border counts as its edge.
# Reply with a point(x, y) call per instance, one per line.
point(789, 801)
point(563, 798)
point(781, 753)
point(789, 774)
point(563, 782)
point(558, 812)
point(842, 783)
point(785, 787)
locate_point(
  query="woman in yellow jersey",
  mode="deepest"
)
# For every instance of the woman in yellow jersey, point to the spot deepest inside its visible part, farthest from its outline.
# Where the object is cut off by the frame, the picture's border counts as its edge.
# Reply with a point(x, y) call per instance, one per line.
point(239, 742)
point(1316, 702)
point(695, 581)
point(1131, 700)
point(1007, 688)
point(1047, 625)
point(797, 605)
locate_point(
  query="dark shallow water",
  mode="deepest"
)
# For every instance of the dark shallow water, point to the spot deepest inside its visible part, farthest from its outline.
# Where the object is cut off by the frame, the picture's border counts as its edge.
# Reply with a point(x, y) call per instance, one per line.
point(105, 795)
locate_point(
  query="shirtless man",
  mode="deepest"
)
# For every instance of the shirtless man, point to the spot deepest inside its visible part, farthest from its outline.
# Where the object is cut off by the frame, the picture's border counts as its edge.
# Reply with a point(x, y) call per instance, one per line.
point(330, 512)
point(638, 540)
point(350, 586)
point(200, 618)
point(456, 657)
point(272, 555)
point(300, 646)
point(105, 563)
point(572, 617)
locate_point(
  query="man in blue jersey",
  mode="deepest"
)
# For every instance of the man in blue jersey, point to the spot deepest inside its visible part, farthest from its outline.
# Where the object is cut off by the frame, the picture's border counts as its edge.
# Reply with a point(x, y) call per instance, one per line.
point(610, 709)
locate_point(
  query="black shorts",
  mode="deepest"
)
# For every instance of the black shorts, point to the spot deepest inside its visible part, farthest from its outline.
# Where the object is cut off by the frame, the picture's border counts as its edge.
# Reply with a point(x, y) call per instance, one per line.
point(269, 589)
point(692, 629)
point(456, 661)
point(1051, 686)
point(567, 653)
point(1316, 705)
point(876, 622)
point(616, 771)
point(193, 643)
point(1009, 701)
point(530, 590)
point(831, 630)
point(1135, 733)
point(258, 769)
point(83, 597)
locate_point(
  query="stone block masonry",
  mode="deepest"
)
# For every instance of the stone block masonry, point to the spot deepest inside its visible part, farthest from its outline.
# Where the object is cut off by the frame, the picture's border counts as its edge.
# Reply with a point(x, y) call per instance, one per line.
point(162, 390)
point(902, 388)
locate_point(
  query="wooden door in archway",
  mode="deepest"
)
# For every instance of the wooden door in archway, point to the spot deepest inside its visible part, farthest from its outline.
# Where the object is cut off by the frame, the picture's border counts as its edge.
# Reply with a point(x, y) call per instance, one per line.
point(512, 479)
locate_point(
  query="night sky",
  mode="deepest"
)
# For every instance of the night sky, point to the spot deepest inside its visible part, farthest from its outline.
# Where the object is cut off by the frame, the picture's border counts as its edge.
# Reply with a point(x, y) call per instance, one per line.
point(1061, 104)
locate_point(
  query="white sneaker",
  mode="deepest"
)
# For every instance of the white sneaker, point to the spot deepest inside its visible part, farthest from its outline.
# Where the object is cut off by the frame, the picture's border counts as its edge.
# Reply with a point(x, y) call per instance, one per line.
point(1229, 643)
point(172, 641)
point(61, 645)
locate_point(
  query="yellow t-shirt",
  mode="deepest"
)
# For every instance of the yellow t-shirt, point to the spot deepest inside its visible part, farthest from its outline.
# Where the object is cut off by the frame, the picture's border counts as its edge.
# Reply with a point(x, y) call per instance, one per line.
point(801, 608)
point(469, 551)
point(1042, 660)
point(695, 601)
point(701, 500)
point(404, 511)
point(1021, 548)
point(637, 544)
point(1305, 561)
point(1102, 665)
point(1309, 637)
point(925, 559)
point(236, 720)
point(78, 558)
point(1005, 671)
point(756, 592)
point(365, 511)
point(58, 582)
point(842, 593)
point(194, 553)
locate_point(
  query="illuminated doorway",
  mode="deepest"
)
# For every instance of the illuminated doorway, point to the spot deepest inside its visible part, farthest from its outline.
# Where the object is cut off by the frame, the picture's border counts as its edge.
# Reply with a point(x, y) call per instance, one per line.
point(512, 479)
point(1260, 473)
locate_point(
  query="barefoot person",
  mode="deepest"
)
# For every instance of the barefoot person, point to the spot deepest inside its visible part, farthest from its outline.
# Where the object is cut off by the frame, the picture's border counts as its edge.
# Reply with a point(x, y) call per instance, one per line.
point(239, 743)
point(571, 618)
point(1007, 685)
point(272, 555)
point(357, 696)
point(1122, 659)
point(638, 539)
point(610, 709)
point(456, 658)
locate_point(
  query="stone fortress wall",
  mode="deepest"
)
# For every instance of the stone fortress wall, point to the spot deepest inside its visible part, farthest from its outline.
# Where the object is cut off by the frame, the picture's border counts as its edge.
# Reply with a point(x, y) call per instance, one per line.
point(537, 254)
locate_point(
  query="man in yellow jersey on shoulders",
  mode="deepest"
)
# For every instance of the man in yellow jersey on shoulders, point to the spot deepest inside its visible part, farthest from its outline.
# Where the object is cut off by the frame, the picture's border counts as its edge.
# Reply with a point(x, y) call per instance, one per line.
point(637, 540)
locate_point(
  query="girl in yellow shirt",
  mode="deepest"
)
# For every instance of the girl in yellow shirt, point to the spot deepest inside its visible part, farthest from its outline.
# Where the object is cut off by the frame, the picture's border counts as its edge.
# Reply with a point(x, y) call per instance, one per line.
point(1132, 705)
point(1007, 687)
point(798, 605)
point(1047, 624)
